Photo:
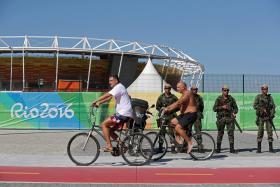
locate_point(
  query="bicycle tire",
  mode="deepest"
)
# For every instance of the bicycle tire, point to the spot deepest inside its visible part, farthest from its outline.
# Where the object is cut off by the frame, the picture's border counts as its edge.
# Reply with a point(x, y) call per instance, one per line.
point(204, 146)
point(158, 152)
point(138, 145)
point(83, 157)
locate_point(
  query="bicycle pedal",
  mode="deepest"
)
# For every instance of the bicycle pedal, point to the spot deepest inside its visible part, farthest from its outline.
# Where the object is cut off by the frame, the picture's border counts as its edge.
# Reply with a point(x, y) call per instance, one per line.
point(115, 152)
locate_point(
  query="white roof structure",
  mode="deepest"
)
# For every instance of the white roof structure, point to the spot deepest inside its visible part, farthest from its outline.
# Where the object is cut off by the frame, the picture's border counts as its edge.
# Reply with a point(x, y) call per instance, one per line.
point(148, 81)
point(93, 46)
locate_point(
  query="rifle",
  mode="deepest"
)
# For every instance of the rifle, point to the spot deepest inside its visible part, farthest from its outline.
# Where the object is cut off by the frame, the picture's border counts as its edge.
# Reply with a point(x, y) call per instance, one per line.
point(272, 124)
point(271, 121)
point(232, 117)
point(269, 118)
point(236, 124)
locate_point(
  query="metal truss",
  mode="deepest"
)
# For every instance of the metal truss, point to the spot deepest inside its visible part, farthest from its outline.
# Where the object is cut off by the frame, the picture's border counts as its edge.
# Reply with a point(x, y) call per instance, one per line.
point(93, 46)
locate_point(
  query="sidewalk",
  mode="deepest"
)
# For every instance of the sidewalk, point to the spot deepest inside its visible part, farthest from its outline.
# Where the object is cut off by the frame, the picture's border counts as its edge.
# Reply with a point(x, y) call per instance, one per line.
point(48, 148)
point(28, 156)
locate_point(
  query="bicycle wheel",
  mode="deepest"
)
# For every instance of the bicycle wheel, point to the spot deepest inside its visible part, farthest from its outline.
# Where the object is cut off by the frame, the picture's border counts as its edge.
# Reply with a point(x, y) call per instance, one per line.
point(159, 144)
point(137, 149)
point(82, 149)
point(203, 146)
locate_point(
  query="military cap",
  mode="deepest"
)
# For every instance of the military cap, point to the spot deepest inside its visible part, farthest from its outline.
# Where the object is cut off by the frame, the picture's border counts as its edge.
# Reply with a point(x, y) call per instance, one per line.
point(225, 87)
point(167, 85)
point(194, 87)
point(264, 86)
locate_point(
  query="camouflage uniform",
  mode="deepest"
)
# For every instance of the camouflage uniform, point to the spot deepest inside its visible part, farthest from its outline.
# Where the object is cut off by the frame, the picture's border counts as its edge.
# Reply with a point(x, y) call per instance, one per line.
point(224, 118)
point(200, 106)
point(164, 101)
point(265, 111)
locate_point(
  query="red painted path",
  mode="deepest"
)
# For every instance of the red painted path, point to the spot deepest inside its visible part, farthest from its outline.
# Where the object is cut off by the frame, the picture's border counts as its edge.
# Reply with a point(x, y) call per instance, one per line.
point(140, 175)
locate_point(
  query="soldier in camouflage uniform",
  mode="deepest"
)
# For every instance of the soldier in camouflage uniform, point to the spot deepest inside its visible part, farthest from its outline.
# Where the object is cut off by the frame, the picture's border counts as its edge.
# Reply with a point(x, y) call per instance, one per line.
point(200, 107)
point(226, 109)
point(265, 111)
point(164, 100)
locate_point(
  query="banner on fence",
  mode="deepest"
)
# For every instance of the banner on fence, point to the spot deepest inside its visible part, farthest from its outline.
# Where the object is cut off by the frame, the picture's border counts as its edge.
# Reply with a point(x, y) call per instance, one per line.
point(70, 110)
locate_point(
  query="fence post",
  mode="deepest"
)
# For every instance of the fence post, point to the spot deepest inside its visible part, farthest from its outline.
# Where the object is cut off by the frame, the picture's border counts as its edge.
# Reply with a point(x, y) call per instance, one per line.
point(243, 91)
point(203, 83)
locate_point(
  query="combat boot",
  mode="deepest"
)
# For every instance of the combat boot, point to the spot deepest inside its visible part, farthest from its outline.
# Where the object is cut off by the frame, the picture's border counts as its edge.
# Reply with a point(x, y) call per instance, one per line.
point(271, 147)
point(259, 147)
point(173, 149)
point(160, 149)
point(231, 149)
point(218, 150)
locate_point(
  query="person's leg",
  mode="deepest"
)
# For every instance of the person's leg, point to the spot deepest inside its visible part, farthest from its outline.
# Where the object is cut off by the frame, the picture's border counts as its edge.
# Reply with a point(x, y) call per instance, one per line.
point(197, 129)
point(230, 131)
point(269, 131)
point(260, 134)
point(177, 137)
point(197, 125)
point(182, 133)
point(172, 143)
point(113, 135)
point(220, 127)
point(106, 131)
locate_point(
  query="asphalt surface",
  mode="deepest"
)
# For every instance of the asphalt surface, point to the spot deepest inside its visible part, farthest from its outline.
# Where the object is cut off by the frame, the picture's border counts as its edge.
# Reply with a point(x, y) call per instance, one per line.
point(47, 148)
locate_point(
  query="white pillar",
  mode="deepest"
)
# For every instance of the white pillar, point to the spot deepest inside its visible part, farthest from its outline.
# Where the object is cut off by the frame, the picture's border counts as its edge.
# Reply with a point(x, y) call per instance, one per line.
point(89, 69)
point(23, 74)
point(56, 71)
point(11, 72)
point(120, 66)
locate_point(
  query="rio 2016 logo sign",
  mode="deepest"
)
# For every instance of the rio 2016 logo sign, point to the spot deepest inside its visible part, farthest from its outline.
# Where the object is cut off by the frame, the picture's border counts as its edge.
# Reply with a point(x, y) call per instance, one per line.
point(44, 110)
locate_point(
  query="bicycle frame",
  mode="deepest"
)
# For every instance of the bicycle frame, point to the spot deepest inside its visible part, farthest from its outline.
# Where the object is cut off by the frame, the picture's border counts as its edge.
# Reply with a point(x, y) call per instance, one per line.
point(163, 131)
point(97, 131)
point(201, 150)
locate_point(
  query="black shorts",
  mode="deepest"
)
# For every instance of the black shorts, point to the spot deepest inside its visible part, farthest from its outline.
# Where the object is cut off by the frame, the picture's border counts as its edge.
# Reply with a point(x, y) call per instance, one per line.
point(187, 120)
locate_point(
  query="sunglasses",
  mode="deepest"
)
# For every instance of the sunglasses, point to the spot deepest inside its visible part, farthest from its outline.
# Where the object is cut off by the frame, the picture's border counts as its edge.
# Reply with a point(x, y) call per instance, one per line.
point(264, 89)
point(226, 90)
point(167, 88)
point(194, 89)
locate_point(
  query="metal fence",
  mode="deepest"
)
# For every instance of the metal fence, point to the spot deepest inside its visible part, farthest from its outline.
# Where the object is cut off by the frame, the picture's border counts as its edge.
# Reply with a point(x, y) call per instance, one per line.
point(239, 83)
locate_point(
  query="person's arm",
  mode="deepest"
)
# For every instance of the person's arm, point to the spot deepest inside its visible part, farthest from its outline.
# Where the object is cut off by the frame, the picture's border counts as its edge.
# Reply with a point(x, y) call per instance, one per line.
point(174, 100)
point(272, 111)
point(178, 103)
point(216, 107)
point(201, 104)
point(102, 99)
point(234, 107)
point(159, 103)
point(256, 103)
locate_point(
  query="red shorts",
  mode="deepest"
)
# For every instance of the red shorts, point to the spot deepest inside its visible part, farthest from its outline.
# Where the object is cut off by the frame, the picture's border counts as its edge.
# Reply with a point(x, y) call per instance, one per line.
point(119, 120)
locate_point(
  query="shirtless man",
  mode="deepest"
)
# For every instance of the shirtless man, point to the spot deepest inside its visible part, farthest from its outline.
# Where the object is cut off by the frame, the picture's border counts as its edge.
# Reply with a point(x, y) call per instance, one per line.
point(183, 123)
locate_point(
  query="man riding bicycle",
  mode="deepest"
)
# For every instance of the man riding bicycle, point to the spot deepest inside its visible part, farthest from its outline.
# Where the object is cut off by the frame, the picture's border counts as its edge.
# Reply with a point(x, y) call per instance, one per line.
point(123, 110)
point(183, 123)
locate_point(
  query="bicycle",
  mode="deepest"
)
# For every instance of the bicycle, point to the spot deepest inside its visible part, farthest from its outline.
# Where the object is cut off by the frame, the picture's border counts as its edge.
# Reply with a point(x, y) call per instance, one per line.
point(136, 148)
point(203, 143)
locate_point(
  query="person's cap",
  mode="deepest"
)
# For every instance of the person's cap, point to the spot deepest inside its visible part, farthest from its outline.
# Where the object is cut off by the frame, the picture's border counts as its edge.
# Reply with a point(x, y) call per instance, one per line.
point(194, 87)
point(225, 87)
point(167, 85)
point(264, 86)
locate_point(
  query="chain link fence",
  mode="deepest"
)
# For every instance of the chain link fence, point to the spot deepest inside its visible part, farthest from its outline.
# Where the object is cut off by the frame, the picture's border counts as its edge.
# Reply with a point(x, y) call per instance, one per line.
point(239, 83)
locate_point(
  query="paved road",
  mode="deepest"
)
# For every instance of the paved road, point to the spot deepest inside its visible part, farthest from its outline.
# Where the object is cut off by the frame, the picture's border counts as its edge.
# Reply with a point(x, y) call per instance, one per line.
point(47, 148)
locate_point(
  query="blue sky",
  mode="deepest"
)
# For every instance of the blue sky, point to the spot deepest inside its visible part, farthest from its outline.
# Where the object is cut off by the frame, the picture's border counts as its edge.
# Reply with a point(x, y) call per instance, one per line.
point(240, 36)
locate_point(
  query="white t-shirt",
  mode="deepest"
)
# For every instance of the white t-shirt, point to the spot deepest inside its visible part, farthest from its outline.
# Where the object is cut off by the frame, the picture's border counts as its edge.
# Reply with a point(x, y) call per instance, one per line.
point(123, 103)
